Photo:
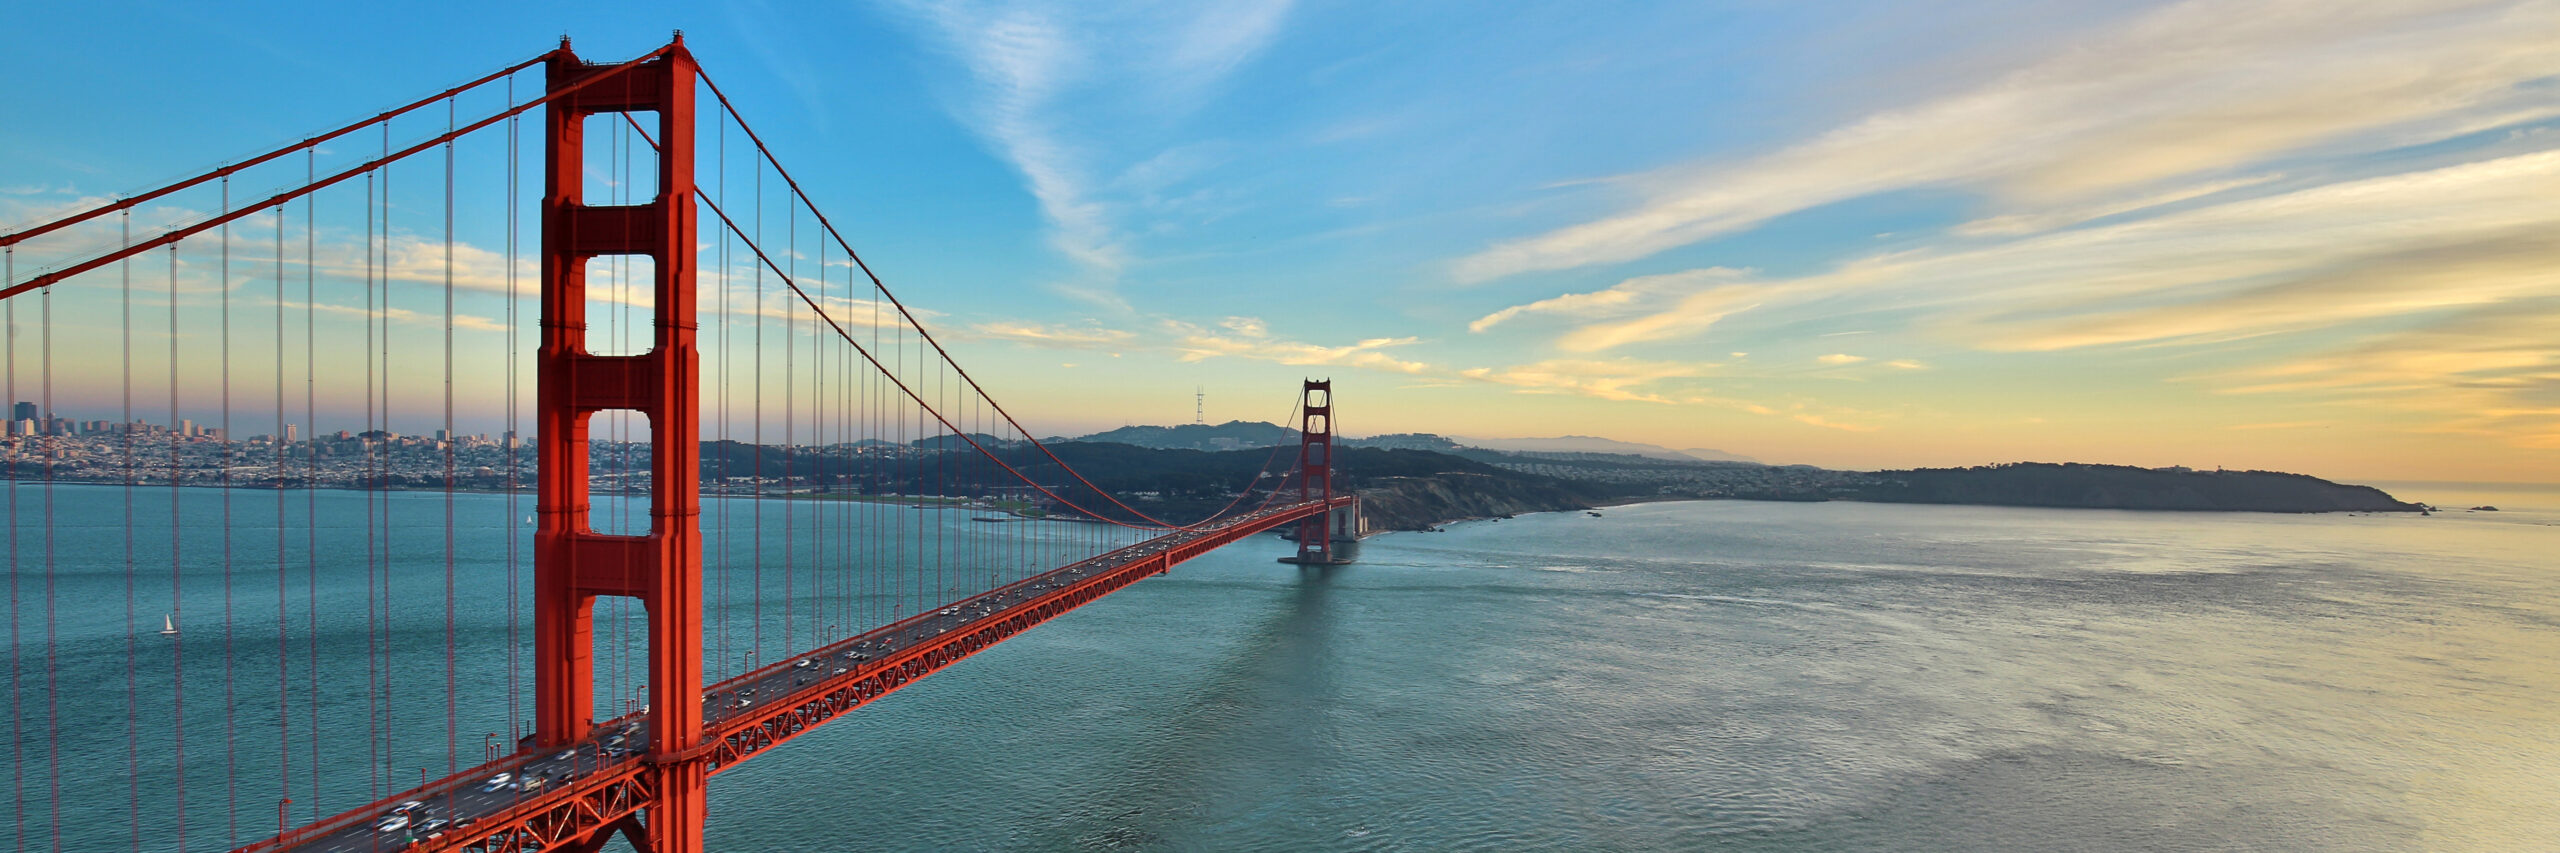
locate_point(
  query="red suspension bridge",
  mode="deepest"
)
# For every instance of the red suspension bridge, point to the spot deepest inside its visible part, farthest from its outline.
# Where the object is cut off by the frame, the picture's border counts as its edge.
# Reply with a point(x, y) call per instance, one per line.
point(763, 494)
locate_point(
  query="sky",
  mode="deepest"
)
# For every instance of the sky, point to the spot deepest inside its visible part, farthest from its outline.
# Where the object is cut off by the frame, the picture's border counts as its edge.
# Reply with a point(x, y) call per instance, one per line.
point(2304, 236)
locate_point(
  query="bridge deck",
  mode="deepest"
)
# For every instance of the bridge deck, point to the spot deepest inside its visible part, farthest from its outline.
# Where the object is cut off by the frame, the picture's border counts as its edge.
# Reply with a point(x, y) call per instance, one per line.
point(598, 781)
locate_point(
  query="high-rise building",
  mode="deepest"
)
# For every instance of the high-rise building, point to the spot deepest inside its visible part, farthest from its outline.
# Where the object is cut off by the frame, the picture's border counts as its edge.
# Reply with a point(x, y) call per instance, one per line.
point(187, 427)
point(25, 412)
point(292, 433)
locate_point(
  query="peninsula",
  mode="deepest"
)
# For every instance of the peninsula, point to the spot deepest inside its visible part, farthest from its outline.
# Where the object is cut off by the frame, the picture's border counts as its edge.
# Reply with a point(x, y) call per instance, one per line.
point(1418, 481)
point(1410, 481)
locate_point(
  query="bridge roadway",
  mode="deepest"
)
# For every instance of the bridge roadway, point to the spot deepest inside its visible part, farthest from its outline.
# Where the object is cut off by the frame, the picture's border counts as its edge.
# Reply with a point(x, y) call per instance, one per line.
point(597, 782)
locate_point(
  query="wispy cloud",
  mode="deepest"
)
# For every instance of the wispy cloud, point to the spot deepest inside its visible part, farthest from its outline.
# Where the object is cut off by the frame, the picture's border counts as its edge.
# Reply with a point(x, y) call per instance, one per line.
point(405, 316)
point(1090, 337)
point(2445, 275)
point(1250, 338)
point(2468, 234)
point(1608, 379)
point(2492, 372)
point(2115, 121)
point(1041, 73)
point(1614, 300)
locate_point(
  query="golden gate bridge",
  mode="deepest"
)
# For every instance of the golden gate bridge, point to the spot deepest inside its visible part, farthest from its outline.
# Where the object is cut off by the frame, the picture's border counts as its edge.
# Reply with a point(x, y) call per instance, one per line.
point(690, 295)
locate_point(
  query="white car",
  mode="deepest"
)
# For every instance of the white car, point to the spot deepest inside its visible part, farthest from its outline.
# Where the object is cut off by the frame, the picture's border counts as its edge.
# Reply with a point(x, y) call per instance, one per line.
point(496, 782)
point(392, 823)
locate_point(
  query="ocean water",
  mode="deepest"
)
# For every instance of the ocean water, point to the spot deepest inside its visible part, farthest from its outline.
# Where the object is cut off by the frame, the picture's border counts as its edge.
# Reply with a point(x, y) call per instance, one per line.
point(1673, 676)
point(1749, 676)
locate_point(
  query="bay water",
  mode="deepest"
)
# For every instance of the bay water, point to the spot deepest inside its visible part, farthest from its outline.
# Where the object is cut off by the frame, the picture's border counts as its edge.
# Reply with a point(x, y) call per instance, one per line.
point(1669, 676)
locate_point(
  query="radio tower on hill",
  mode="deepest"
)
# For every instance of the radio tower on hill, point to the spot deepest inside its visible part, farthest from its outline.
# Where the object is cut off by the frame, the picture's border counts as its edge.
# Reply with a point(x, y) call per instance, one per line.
point(1199, 405)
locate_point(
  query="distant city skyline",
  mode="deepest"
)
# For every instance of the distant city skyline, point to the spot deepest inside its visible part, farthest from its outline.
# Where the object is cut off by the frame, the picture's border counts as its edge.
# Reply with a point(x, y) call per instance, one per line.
point(1860, 235)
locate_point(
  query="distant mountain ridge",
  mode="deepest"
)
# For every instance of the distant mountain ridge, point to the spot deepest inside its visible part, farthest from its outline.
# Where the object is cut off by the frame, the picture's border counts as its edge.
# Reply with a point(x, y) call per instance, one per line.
point(1595, 444)
point(1236, 435)
point(1232, 435)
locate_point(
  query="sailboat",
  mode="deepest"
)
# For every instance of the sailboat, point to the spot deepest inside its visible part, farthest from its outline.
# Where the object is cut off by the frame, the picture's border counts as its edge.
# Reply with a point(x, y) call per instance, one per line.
point(168, 624)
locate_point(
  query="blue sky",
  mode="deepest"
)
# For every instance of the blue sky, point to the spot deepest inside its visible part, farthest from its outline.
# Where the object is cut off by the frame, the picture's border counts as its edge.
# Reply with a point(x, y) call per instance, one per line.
point(2287, 235)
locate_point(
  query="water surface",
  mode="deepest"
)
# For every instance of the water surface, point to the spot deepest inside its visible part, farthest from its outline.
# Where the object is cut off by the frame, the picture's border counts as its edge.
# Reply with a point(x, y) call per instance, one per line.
point(1675, 676)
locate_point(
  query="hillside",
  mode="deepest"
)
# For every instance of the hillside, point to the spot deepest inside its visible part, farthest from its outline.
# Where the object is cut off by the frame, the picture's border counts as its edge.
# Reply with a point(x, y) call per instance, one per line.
point(1420, 489)
point(2079, 485)
point(1232, 435)
point(1401, 489)
point(1585, 444)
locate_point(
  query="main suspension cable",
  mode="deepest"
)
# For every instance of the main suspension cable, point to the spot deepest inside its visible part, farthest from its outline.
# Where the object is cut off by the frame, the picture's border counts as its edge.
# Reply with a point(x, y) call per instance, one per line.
point(923, 336)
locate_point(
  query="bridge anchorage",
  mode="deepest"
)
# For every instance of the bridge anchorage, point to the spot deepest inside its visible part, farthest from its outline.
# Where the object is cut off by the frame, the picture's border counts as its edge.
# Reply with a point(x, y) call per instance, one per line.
point(889, 452)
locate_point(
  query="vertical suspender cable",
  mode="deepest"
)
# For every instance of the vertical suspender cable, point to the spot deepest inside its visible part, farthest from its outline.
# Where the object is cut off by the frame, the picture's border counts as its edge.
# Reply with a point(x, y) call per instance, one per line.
point(222, 464)
point(756, 376)
point(374, 698)
point(790, 422)
point(17, 715)
point(514, 343)
point(942, 484)
point(452, 728)
point(825, 415)
point(311, 473)
point(906, 460)
point(873, 585)
point(850, 408)
point(814, 478)
point(720, 305)
point(390, 705)
point(132, 633)
point(52, 621)
point(177, 646)
point(824, 514)
point(276, 480)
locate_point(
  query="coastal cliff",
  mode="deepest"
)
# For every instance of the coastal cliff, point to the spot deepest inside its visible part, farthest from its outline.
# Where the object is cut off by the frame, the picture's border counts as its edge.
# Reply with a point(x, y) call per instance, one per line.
point(1420, 503)
point(1412, 488)
point(2083, 486)
point(1419, 489)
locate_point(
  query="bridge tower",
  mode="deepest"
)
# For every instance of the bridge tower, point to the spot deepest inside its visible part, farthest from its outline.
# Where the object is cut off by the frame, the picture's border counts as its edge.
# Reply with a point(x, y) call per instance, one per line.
point(1315, 468)
point(573, 564)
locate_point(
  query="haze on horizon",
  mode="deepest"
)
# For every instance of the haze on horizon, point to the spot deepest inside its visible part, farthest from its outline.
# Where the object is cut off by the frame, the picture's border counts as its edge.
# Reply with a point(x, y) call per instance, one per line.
point(2299, 236)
